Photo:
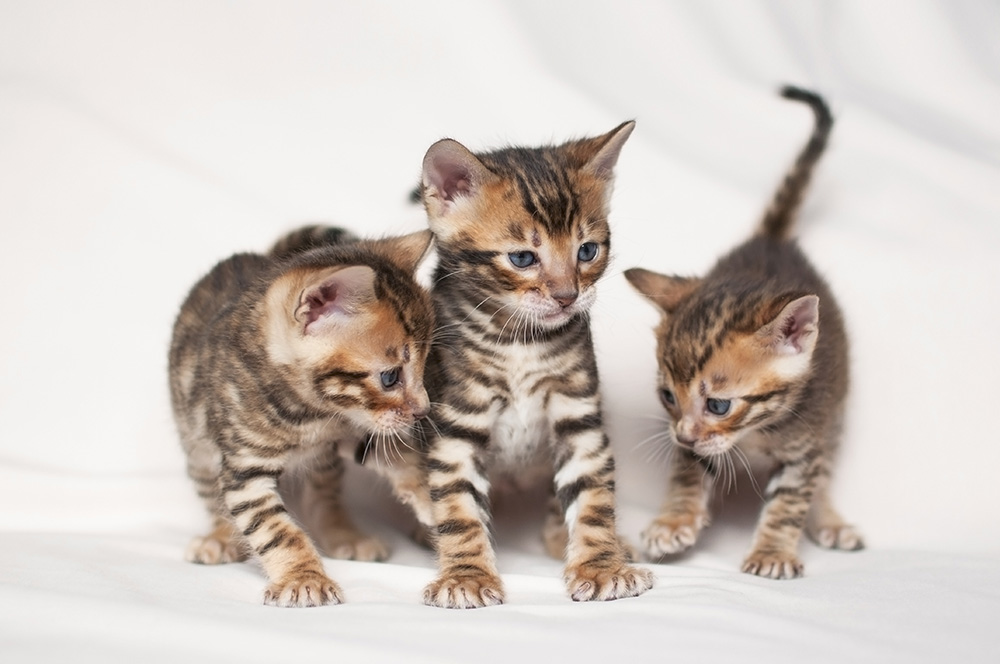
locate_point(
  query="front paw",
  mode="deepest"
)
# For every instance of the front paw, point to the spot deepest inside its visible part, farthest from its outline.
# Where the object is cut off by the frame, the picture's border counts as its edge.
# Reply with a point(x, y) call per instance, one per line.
point(844, 537)
point(587, 584)
point(306, 589)
point(672, 533)
point(464, 592)
point(774, 565)
point(350, 544)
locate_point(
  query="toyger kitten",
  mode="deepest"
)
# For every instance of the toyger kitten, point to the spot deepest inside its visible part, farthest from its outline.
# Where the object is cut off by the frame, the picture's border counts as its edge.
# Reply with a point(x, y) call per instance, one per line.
point(522, 237)
point(753, 359)
point(278, 364)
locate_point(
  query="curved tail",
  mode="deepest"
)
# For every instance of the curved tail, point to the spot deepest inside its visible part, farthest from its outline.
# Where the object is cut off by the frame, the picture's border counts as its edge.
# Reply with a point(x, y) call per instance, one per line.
point(777, 221)
point(309, 237)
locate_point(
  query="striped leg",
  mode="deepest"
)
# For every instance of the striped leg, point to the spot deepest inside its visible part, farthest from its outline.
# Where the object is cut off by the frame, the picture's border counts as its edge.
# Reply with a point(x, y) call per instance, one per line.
point(596, 567)
point(685, 510)
point(459, 492)
point(326, 518)
point(290, 561)
point(774, 552)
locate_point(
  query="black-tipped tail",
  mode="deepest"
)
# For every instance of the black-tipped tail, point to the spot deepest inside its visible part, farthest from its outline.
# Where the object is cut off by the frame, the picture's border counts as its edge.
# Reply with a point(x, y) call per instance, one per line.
point(309, 237)
point(778, 220)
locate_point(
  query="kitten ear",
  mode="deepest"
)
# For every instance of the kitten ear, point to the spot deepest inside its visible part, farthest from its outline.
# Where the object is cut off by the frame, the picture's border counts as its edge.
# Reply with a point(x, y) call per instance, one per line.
point(795, 329)
point(450, 172)
point(601, 153)
point(666, 292)
point(333, 299)
point(406, 251)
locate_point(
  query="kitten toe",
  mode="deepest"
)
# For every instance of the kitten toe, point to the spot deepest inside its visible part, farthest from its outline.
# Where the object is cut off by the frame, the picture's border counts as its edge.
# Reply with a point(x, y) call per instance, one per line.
point(843, 538)
point(773, 565)
point(303, 590)
point(349, 544)
point(672, 534)
point(464, 592)
point(214, 550)
point(587, 584)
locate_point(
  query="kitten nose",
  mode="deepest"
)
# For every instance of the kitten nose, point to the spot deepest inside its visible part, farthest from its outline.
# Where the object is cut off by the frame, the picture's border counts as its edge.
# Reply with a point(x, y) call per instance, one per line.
point(565, 298)
point(686, 441)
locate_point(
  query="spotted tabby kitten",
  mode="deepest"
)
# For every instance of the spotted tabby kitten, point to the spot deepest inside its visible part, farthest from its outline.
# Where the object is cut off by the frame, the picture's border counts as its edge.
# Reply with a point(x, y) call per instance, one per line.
point(277, 364)
point(743, 366)
point(522, 237)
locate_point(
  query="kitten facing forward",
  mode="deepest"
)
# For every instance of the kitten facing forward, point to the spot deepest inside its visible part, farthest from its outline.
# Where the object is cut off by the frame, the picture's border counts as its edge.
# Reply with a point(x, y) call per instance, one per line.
point(279, 364)
point(522, 237)
point(753, 360)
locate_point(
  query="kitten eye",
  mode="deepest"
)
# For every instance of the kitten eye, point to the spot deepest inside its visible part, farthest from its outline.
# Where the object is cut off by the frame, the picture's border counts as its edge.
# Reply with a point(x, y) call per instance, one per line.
point(587, 252)
point(522, 258)
point(668, 398)
point(389, 378)
point(718, 406)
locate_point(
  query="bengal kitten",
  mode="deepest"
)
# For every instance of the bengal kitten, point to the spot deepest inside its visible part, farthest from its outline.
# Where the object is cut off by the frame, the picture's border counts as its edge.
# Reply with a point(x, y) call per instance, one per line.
point(743, 369)
point(522, 238)
point(279, 364)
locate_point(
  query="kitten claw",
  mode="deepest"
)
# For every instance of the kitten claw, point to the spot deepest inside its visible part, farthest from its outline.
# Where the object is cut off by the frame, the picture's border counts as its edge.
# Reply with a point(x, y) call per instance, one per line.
point(773, 566)
point(464, 592)
point(310, 589)
point(586, 585)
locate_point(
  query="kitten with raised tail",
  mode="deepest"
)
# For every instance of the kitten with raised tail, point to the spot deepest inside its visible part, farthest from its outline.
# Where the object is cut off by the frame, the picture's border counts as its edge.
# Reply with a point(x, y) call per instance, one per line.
point(753, 360)
point(279, 365)
point(522, 237)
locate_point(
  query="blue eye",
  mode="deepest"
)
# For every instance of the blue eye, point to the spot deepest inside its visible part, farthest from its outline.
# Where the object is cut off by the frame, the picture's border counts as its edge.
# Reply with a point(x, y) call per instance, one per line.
point(718, 406)
point(668, 398)
point(522, 258)
point(389, 378)
point(587, 252)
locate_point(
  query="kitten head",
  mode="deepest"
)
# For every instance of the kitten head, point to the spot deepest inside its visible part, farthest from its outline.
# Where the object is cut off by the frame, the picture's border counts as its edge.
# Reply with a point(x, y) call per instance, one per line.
point(350, 325)
point(730, 362)
point(523, 232)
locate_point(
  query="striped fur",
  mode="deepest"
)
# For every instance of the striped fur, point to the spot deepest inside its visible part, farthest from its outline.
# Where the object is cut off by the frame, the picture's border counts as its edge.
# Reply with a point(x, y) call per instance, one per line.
point(522, 238)
point(743, 369)
point(280, 364)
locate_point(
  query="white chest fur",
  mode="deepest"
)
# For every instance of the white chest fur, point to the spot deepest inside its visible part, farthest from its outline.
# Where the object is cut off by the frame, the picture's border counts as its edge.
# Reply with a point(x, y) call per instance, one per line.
point(520, 430)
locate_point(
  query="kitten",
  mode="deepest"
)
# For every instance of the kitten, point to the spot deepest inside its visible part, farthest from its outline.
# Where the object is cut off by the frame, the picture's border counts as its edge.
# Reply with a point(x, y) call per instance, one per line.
point(522, 238)
point(753, 360)
point(278, 364)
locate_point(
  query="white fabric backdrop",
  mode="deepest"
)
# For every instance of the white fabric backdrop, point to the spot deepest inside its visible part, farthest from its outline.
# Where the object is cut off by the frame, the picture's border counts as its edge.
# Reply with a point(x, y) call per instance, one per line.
point(141, 142)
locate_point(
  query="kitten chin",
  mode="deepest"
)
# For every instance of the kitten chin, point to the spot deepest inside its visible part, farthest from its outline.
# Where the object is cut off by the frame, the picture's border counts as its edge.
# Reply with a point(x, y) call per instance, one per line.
point(753, 358)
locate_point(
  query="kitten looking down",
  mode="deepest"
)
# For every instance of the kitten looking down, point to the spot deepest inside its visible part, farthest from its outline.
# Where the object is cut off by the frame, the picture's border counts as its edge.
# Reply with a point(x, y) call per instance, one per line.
point(753, 360)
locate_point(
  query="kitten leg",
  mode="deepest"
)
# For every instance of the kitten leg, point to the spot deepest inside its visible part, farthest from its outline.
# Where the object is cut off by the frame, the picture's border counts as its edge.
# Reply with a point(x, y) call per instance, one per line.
point(459, 491)
point(596, 562)
point(555, 534)
point(774, 552)
point(290, 561)
point(825, 526)
point(222, 545)
point(334, 532)
point(685, 511)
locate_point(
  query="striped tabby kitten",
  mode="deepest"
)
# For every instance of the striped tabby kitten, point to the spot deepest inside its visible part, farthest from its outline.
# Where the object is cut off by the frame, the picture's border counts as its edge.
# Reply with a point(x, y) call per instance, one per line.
point(743, 366)
point(280, 362)
point(522, 238)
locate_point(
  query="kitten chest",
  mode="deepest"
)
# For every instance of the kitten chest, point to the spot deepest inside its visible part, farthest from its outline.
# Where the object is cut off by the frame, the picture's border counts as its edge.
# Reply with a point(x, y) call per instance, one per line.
point(521, 426)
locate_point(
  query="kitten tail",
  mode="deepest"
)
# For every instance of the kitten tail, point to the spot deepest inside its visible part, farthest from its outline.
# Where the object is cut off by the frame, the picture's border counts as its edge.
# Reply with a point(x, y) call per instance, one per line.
point(778, 220)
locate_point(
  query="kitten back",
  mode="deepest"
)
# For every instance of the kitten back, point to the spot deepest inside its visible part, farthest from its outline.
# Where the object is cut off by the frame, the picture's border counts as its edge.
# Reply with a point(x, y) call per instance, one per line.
point(780, 216)
point(309, 237)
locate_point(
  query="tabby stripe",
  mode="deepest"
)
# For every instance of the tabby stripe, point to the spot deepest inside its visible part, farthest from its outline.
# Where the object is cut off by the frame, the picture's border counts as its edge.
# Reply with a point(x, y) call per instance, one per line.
point(767, 396)
point(457, 526)
point(466, 569)
point(275, 541)
point(452, 430)
point(240, 508)
point(460, 486)
point(570, 427)
point(568, 494)
point(235, 478)
point(432, 465)
point(262, 516)
point(474, 257)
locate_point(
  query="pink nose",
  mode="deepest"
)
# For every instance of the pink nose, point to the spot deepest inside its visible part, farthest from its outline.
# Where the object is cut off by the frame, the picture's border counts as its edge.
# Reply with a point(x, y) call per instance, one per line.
point(565, 298)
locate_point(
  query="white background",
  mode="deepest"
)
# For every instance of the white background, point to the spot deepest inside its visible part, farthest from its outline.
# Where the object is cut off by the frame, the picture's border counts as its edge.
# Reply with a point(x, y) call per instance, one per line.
point(142, 142)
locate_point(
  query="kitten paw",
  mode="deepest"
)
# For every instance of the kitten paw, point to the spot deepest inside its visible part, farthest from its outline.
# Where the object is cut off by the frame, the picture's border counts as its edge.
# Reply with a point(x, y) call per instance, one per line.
point(464, 592)
point(308, 589)
point(213, 550)
point(349, 544)
point(774, 565)
point(670, 534)
point(587, 584)
point(843, 537)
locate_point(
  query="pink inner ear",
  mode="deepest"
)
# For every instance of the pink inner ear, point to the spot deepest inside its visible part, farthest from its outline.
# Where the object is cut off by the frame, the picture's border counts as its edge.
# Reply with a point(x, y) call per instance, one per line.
point(320, 302)
point(797, 320)
point(450, 178)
